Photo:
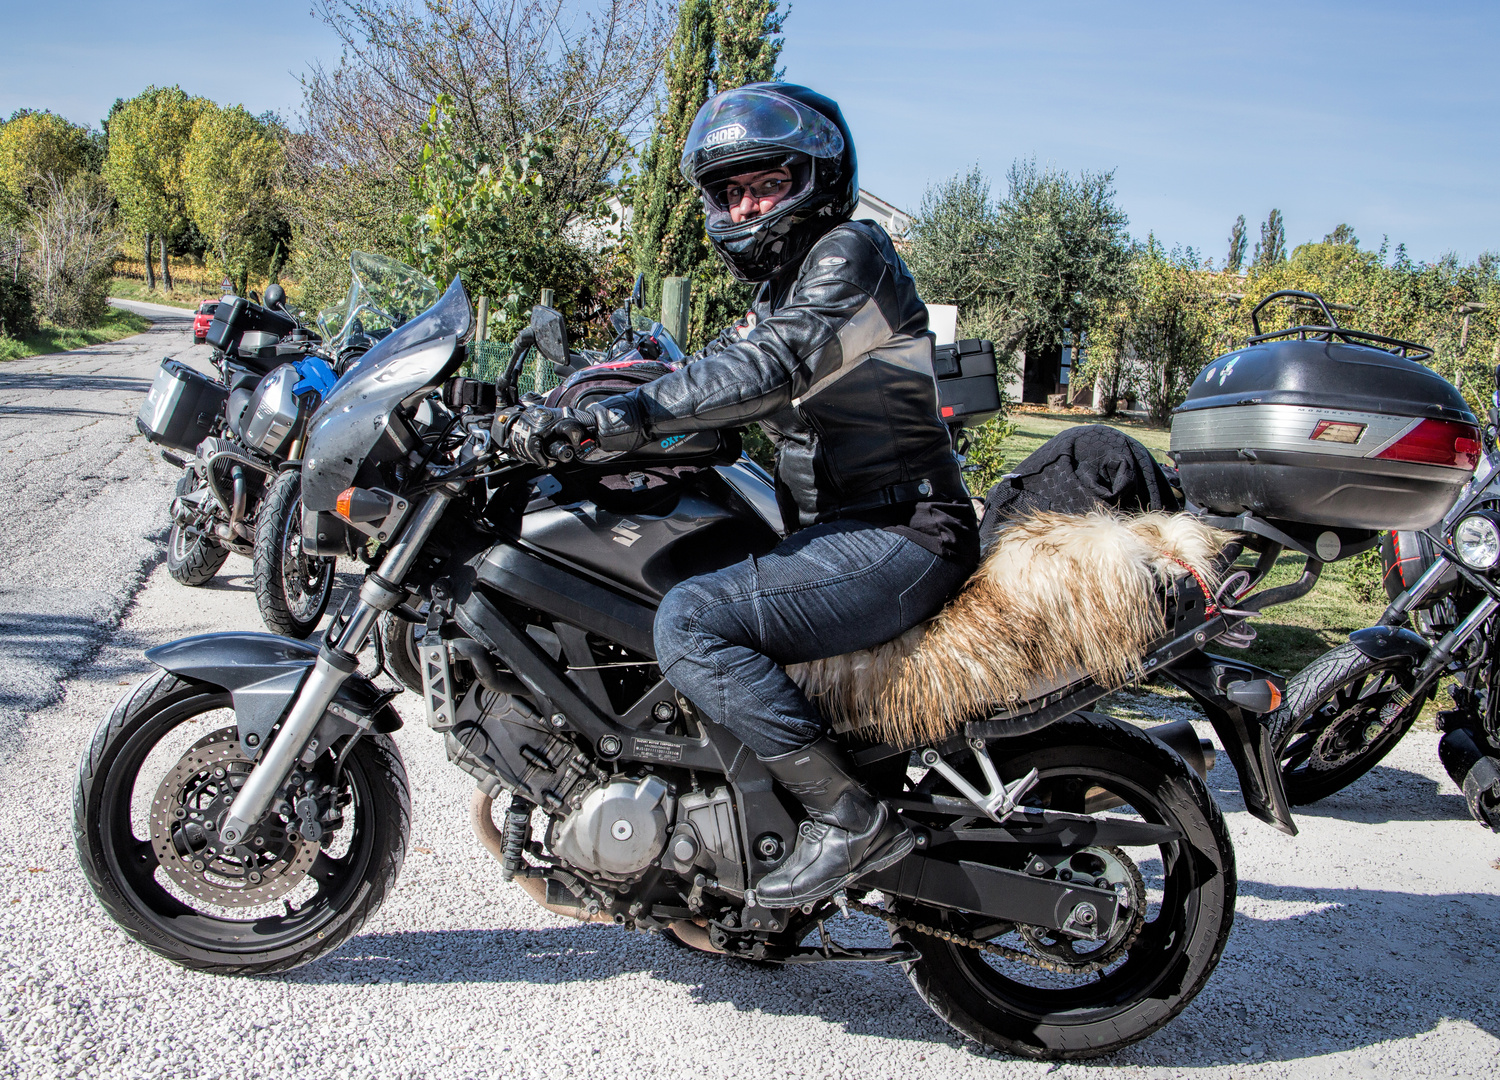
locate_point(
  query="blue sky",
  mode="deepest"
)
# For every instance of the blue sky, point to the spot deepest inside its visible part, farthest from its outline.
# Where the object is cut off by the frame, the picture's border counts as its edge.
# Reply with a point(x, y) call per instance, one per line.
point(1382, 115)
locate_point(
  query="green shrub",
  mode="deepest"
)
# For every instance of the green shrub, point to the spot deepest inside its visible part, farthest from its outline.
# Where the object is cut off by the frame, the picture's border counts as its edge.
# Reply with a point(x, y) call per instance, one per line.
point(17, 308)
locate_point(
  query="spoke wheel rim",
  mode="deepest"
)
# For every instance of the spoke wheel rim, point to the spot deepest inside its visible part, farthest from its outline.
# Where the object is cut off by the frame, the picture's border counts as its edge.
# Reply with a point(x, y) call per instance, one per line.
point(306, 580)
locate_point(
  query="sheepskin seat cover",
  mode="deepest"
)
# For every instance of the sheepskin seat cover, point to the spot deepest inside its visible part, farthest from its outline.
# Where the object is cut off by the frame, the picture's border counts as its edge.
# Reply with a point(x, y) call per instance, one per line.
point(1056, 594)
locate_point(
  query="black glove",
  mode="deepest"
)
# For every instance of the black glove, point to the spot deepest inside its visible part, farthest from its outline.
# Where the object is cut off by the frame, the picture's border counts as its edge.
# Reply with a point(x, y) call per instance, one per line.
point(534, 432)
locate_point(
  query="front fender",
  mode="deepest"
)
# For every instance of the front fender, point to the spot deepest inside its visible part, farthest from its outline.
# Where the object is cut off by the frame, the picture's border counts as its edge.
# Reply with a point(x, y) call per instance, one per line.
point(1384, 642)
point(262, 673)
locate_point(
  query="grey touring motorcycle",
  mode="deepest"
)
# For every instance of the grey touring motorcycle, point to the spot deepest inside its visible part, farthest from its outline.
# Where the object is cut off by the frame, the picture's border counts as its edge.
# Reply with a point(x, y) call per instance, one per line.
point(244, 810)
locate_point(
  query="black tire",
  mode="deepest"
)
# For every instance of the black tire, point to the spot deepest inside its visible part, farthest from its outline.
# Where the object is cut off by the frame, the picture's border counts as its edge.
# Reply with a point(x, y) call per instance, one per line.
point(193, 561)
point(131, 881)
point(1341, 714)
point(292, 589)
point(398, 639)
point(1010, 1006)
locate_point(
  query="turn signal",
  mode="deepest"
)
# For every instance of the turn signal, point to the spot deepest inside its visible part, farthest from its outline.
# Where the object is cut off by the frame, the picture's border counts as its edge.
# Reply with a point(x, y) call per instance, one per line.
point(1257, 695)
point(358, 504)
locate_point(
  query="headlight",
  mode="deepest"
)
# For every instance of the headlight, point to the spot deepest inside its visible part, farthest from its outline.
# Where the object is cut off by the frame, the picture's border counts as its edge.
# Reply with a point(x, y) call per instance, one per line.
point(1477, 541)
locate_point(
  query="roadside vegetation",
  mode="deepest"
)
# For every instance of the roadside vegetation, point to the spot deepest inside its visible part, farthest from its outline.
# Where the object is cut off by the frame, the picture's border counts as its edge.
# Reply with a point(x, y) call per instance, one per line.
point(115, 324)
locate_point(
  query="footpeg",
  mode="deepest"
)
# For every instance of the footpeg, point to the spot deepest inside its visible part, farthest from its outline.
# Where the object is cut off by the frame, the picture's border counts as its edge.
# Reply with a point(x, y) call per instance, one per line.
point(1000, 801)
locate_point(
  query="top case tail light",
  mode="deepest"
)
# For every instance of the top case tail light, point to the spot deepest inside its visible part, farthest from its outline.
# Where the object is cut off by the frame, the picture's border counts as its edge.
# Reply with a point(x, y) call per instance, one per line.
point(1437, 442)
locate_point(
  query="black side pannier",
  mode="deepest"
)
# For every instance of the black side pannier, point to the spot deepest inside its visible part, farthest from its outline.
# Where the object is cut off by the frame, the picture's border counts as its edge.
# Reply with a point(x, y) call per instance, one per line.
point(1325, 427)
point(968, 382)
point(181, 407)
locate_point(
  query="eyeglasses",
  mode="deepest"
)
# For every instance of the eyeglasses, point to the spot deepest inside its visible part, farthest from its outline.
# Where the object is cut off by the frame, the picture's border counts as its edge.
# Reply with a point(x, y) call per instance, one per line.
point(765, 188)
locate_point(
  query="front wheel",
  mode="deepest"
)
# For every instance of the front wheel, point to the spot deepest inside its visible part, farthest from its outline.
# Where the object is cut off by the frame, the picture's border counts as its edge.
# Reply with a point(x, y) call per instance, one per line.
point(1341, 715)
point(153, 787)
point(1037, 993)
point(291, 587)
point(193, 556)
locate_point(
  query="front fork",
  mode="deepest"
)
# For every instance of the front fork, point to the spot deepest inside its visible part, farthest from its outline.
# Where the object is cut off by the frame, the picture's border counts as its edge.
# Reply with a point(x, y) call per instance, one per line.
point(336, 661)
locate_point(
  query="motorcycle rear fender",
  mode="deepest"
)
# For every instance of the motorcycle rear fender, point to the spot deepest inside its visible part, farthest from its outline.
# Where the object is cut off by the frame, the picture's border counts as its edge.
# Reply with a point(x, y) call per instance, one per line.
point(1384, 642)
point(262, 673)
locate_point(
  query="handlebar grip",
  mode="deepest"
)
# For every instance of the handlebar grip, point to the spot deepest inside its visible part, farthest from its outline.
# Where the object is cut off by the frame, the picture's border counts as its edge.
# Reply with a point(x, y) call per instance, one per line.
point(561, 451)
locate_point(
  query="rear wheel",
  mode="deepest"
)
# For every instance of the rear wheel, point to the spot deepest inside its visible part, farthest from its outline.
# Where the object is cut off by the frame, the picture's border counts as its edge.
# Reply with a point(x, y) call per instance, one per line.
point(1342, 714)
point(152, 789)
point(291, 587)
point(193, 555)
point(1037, 993)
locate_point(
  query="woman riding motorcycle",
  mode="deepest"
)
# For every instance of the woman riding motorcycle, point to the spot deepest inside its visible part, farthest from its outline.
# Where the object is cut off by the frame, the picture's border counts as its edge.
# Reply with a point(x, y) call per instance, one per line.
point(834, 360)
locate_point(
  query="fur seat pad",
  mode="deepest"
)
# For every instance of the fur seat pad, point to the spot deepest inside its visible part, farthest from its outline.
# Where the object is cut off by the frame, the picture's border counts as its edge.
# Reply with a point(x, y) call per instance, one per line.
point(1056, 595)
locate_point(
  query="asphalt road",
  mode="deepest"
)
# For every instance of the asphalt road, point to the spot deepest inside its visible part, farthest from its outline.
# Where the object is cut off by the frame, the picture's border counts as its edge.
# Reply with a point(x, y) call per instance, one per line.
point(1364, 947)
point(86, 502)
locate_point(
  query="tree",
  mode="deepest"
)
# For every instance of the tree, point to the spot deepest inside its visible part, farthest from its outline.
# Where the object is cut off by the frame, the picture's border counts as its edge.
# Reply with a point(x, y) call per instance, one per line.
point(1272, 246)
point(717, 47)
point(230, 173)
point(667, 230)
point(36, 147)
point(578, 75)
point(1237, 245)
point(488, 221)
point(72, 247)
point(1342, 234)
point(148, 141)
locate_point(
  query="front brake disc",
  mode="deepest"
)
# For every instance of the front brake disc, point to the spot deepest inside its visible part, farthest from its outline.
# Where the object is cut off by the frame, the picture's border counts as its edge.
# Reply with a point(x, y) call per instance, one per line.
point(185, 814)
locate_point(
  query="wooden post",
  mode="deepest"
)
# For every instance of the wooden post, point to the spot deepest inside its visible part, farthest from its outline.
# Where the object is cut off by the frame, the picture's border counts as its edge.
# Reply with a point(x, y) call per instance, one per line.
point(547, 298)
point(676, 302)
point(483, 333)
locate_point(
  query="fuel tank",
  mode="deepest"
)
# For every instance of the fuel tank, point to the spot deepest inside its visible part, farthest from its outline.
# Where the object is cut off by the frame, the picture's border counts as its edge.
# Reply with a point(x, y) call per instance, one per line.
point(721, 517)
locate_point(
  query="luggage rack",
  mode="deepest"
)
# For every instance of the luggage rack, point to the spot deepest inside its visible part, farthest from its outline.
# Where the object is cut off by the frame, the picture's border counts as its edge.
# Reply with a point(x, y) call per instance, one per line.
point(1331, 329)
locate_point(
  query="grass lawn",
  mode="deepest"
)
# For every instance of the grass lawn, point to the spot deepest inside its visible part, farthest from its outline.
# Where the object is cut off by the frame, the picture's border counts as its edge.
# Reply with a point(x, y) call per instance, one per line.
point(131, 289)
point(50, 339)
point(1290, 635)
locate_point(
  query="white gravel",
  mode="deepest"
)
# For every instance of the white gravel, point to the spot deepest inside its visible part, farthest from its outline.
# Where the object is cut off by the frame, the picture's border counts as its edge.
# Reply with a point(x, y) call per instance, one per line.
point(1363, 948)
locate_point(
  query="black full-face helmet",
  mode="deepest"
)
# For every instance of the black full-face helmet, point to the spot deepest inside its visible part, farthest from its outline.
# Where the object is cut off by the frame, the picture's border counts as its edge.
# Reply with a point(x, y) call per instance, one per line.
point(760, 127)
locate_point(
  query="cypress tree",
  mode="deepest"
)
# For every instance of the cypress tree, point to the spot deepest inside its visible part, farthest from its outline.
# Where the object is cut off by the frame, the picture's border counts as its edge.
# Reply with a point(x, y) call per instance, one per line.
point(714, 49)
point(667, 227)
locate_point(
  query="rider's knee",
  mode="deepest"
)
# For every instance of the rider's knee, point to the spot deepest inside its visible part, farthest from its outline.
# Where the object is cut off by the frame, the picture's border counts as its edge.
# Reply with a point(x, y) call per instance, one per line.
point(676, 624)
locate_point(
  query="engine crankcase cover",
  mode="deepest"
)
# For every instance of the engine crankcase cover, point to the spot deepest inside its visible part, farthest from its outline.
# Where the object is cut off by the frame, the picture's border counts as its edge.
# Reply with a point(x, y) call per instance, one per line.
point(619, 828)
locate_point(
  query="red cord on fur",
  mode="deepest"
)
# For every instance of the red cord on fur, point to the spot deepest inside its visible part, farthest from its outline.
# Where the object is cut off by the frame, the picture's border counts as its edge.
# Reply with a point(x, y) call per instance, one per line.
point(1210, 609)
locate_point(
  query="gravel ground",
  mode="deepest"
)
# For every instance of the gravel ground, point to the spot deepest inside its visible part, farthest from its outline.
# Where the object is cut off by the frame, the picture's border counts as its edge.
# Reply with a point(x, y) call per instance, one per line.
point(1361, 948)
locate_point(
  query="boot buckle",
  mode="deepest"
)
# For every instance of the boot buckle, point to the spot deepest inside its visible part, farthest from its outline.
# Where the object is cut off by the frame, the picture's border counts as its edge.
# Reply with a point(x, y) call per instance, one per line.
point(1000, 801)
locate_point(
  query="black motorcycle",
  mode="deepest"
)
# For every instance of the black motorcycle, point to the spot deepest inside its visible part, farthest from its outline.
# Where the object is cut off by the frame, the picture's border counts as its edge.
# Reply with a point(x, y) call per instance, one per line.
point(243, 810)
point(1349, 708)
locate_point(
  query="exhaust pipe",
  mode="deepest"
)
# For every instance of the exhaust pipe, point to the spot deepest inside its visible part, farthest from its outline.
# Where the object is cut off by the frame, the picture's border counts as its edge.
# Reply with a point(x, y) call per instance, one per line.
point(535, 887)
point(1476, 773)
point(1180, 737)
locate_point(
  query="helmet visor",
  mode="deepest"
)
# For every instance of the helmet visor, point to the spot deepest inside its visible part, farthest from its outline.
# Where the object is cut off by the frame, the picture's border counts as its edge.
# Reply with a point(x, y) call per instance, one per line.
point(748, 189)
point(740, 124)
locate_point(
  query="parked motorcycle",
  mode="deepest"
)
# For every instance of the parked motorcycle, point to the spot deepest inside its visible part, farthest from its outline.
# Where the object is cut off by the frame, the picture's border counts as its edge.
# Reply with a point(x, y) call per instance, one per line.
point(243, 810)
point(241, 491)
point(1349, 708)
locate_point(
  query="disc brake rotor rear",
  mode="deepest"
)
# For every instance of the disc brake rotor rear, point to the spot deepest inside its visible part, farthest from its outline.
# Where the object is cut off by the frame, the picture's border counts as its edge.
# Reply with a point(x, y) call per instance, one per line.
point(185, 814)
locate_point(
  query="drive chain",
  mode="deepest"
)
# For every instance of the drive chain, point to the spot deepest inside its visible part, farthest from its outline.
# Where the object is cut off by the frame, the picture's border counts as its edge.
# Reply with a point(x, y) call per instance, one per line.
point(1005, 952)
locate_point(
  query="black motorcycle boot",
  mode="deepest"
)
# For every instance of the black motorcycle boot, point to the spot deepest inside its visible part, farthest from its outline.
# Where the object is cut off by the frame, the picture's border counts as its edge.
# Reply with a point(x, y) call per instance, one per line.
point(848, 833)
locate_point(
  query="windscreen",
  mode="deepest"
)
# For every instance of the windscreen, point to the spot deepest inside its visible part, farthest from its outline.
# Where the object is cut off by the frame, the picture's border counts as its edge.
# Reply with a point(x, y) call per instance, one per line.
point(383, 295)
point(353, 419)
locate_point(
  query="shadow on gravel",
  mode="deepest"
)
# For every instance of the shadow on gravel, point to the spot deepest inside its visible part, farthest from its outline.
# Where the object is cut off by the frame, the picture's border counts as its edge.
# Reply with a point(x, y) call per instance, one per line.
point(1382, 795)
point(1354, 968)
point(862, 999)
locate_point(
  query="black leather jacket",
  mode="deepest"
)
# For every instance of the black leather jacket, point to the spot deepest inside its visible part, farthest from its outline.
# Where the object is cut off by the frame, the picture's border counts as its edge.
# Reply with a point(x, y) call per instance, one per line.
point(839, 373)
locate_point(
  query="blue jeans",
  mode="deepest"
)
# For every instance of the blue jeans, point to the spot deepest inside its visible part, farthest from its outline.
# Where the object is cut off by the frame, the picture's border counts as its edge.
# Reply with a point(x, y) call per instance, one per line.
point(723, 639)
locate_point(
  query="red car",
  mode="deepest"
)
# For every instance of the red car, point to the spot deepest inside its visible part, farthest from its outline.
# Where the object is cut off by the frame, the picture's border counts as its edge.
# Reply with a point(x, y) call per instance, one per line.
point(201, 320)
